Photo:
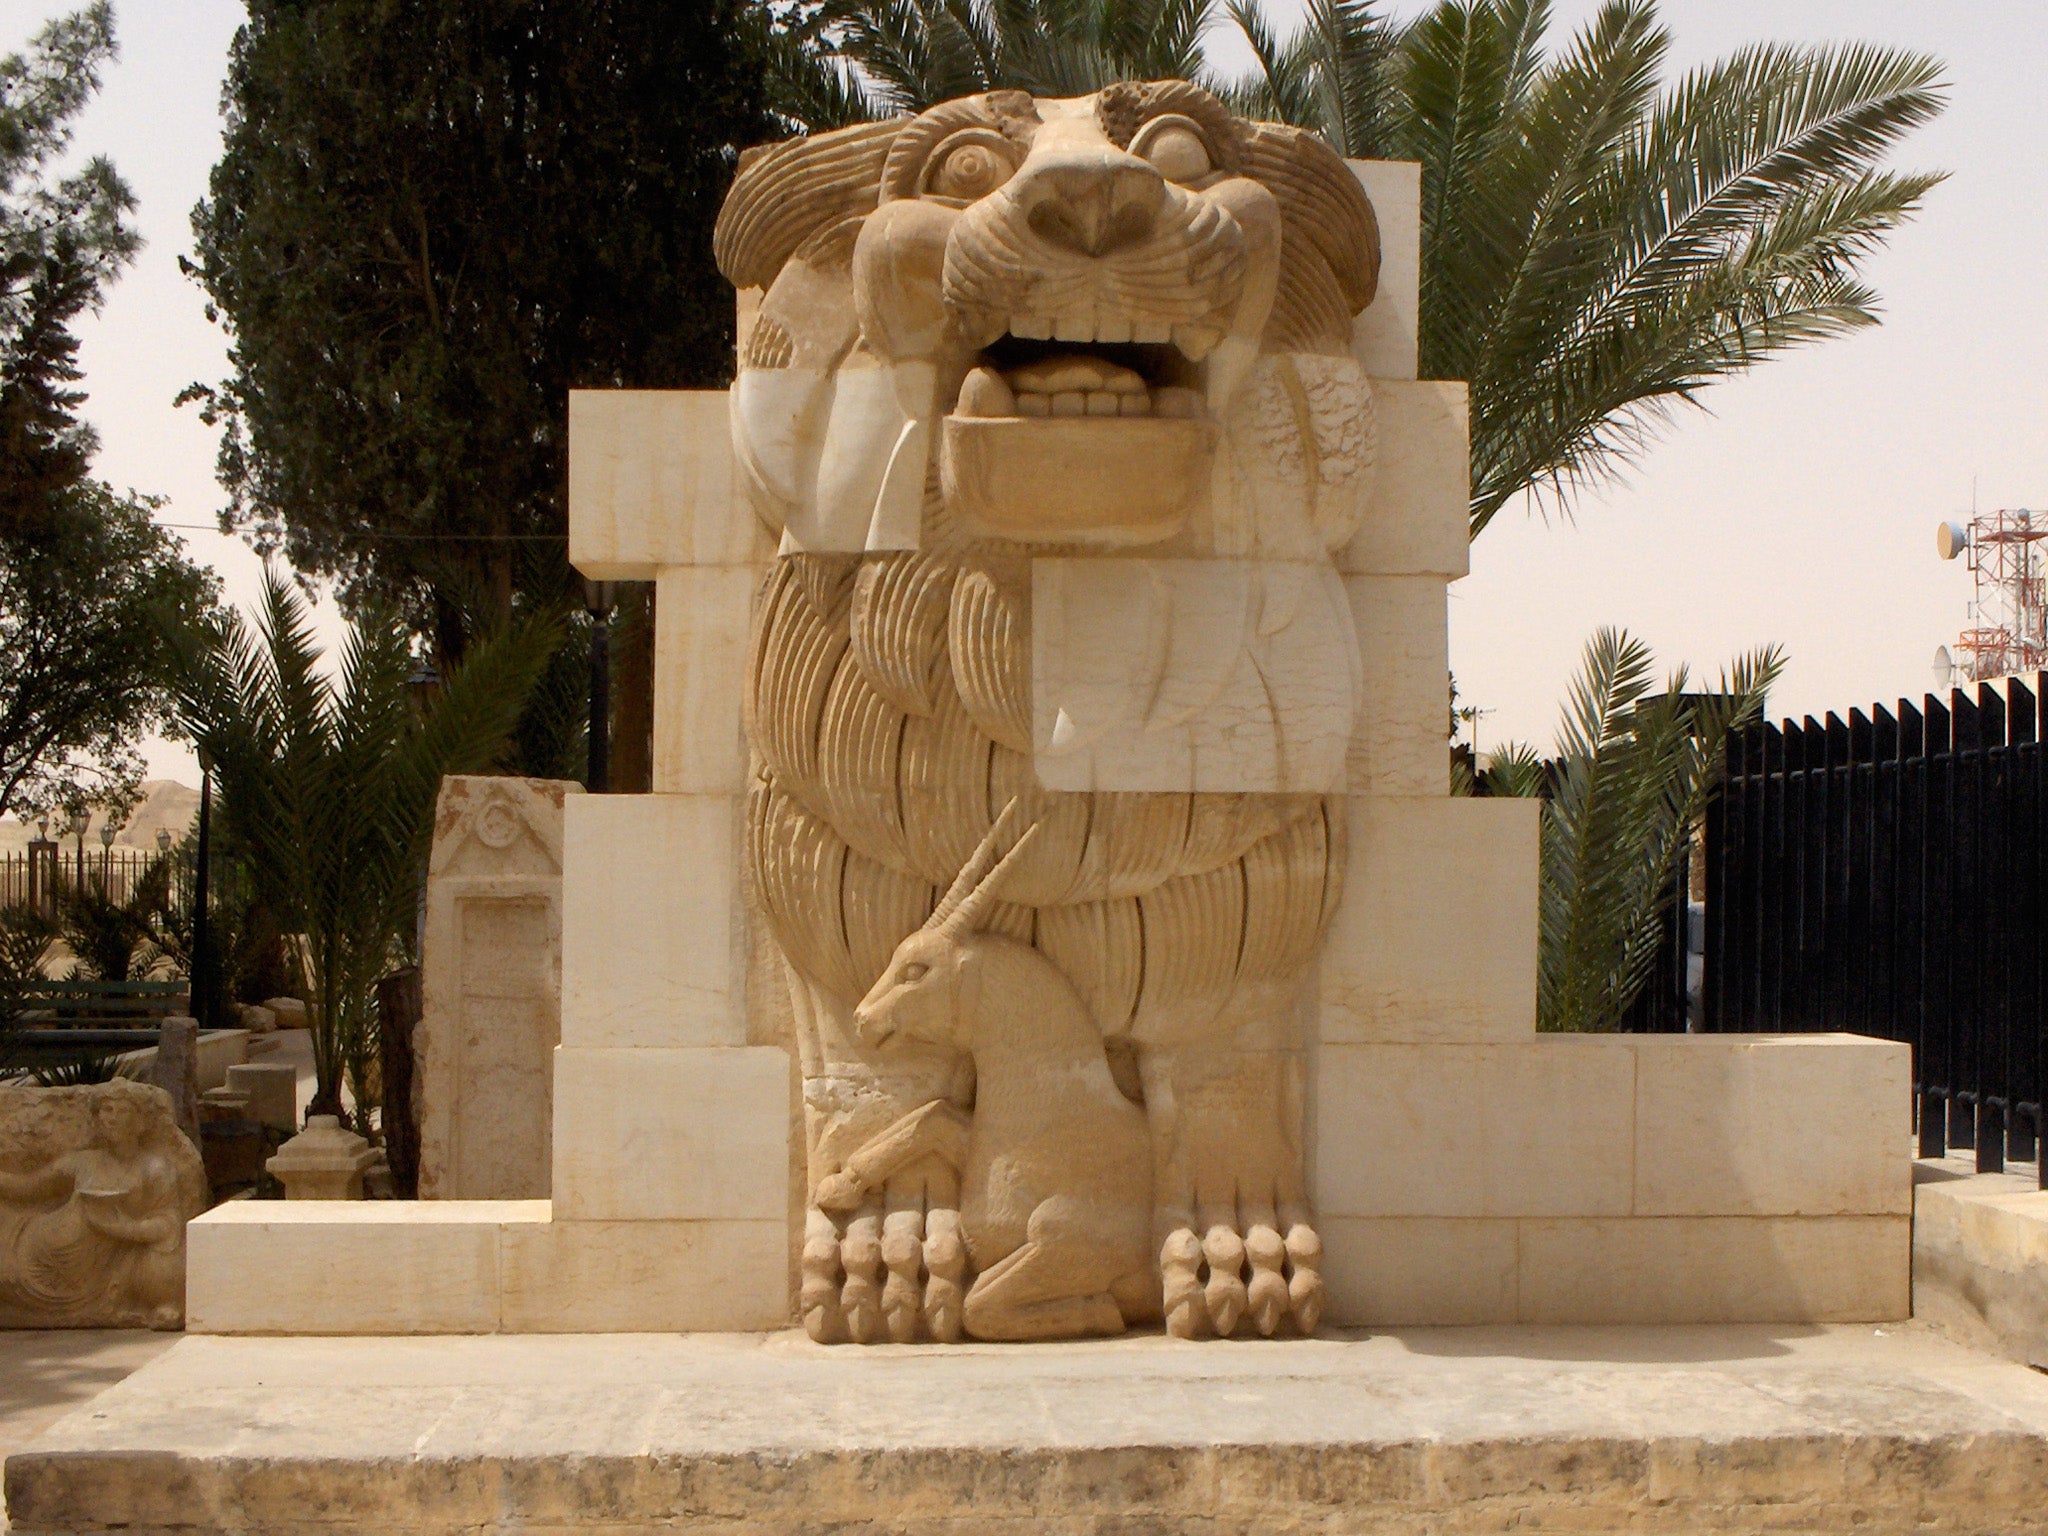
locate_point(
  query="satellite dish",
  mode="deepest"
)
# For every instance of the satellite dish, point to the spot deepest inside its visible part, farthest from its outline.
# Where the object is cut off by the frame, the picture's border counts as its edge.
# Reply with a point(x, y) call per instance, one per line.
point(1944, 664)
point(1950, 540)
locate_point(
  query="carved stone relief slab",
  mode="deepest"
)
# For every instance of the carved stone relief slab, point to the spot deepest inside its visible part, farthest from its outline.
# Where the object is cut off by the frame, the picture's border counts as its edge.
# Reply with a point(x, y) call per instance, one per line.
point(491, 989)
point(96, 1185)
point(1052, 405)
point(1191, 675)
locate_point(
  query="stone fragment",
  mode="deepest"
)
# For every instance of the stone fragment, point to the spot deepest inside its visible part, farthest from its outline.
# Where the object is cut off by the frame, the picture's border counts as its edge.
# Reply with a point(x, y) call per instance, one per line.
point(273, 1092)
point(257, 1019)
point(176, 1071)
point(96, 1186)
point(323, 1162)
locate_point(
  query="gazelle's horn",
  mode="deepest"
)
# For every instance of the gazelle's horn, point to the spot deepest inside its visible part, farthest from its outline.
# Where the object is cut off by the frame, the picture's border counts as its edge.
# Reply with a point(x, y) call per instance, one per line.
point(978, 864)
point(970, 914)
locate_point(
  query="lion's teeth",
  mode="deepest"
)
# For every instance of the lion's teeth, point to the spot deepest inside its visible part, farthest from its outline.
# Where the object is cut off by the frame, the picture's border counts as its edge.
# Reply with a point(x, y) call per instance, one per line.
point(1174, 401)
point(1134, 405)
point(1153, 331)
point(1113, 328)
point(1070, 402)
point(1073, 328)
point(1196, 341)
point(985, 394)
point(1102, 403)
point(1031, 327)
point(1034, 405)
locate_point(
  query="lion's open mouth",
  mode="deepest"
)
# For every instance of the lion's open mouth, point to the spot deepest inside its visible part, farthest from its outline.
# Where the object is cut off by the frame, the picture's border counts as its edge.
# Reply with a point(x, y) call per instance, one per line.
point(1136, 370)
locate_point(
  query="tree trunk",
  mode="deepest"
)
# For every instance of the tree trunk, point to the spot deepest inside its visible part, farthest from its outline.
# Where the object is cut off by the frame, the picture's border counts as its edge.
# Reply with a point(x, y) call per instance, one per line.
point(632, 762)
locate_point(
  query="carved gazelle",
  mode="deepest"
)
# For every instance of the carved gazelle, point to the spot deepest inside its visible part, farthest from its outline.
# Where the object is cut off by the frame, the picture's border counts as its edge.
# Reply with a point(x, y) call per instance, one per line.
point(1054, 1162)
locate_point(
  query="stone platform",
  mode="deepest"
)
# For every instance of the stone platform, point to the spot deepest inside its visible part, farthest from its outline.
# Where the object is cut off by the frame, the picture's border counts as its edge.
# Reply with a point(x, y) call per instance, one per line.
point(1700, 1430)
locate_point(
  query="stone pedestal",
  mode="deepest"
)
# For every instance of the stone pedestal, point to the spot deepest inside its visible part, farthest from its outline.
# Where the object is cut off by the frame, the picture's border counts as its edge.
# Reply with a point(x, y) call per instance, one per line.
point(1722, 1431)
point(323, 1162)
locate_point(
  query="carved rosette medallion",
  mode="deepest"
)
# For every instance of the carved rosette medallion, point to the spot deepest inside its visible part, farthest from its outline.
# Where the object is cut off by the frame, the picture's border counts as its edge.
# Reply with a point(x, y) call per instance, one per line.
point(1052, 406)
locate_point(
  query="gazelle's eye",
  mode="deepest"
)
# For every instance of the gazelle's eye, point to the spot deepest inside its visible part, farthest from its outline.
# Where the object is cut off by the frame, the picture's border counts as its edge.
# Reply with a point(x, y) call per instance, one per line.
point(1175, 147)
point(917, 970)
point(969, 165)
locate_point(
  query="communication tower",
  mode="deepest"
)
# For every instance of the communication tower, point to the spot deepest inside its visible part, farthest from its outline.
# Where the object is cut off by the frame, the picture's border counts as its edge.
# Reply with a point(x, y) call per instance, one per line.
point(2008, 615)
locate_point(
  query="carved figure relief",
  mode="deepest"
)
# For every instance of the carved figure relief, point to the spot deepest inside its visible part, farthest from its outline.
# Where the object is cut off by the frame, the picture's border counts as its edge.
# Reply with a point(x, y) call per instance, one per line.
point(1053, 408)
point(96, 1185)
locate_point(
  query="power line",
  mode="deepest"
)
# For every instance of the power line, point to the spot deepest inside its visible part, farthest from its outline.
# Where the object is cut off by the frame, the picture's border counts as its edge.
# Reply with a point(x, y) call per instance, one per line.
point(412, 538)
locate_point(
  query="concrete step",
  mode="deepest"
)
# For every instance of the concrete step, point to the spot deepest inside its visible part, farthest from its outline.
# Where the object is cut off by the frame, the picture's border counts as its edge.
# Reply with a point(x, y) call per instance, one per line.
point(1451, 1432)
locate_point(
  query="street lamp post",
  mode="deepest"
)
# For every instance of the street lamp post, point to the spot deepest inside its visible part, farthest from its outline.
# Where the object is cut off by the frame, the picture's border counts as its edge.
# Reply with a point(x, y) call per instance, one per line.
point(202, 936)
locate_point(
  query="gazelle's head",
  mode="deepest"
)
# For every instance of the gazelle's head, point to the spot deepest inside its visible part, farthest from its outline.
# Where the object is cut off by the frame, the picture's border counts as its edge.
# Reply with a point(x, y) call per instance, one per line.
point(926, 991)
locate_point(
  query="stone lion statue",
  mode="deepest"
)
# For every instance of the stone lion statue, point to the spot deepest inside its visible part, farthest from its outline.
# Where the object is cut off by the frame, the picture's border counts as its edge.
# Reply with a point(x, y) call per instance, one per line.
point(1053, 407)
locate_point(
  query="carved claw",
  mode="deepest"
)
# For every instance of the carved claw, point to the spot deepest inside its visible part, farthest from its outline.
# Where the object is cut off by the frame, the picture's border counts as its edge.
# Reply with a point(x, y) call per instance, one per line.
point(818, 1293)
point(1305, 1283)
point(945, 1260)
point(1267, 1295)
point(1180, 1265)
point(903, 1253)
point(861, 1296)
point(1225, 1292)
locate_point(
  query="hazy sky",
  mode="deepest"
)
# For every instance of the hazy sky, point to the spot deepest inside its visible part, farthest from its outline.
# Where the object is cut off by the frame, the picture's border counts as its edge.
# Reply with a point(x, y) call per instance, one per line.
point(1801, 510)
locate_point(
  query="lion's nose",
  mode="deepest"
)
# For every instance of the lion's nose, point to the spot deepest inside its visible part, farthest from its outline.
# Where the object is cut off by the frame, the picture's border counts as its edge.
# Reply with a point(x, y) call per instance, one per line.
point(1093, 205)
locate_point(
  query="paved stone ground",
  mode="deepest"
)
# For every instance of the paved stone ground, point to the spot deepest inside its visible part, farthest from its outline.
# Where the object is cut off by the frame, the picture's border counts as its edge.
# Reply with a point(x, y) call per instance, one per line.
point(44, 1376)
point(1447, 1432)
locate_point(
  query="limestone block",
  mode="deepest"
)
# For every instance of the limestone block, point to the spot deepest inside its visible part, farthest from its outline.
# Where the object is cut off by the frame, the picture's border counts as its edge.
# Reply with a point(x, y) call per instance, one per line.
point(323, 1162)
point(672, 1135)
point(1191, 675)
point(97, 1184)
point(1713, 1113)
point(490, 988)
point(1717, 1269)
point(653, 946)
point(374, 1267)
point(273, 1090)
point(1980, 1257)
point(1402, 742)
point(650, 484)
point(1419, 1271)
point(1541, 1128)
point(1384, 337)
point(700, 663)
point(1435, 935)
point(644, 1276)
point(290, 1011)
point(1417, 520)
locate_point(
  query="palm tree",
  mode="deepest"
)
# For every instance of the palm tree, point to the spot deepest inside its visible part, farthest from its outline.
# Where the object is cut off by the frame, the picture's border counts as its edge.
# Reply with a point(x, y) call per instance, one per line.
point(1631, 780)
point(327, 790)
point(1595, 249)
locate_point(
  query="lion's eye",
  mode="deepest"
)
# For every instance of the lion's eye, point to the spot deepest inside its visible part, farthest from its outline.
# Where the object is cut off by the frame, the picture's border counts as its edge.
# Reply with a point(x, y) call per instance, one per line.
point(968, 168)
point(1175, 148)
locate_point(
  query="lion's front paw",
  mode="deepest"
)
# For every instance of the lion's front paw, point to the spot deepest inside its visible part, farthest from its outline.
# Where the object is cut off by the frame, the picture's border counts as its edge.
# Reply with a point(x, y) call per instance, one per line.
point(868, 1276)
point(1215, 1280)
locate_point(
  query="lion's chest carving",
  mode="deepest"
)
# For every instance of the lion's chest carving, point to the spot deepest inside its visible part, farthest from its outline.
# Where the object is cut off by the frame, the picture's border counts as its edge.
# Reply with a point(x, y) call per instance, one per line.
point(1052, 405)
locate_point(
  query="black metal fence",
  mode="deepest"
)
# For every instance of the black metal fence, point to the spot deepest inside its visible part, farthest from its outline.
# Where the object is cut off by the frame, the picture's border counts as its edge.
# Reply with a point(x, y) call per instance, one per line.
point(36, 875)
point(1884, 874)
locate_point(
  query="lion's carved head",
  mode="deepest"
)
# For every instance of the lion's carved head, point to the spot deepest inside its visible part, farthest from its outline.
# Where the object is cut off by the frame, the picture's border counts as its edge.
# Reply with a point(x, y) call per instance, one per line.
point(1119, 319)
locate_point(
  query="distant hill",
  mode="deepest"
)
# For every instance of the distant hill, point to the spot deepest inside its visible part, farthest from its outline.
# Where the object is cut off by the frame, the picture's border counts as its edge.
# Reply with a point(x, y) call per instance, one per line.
point(165, 803)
